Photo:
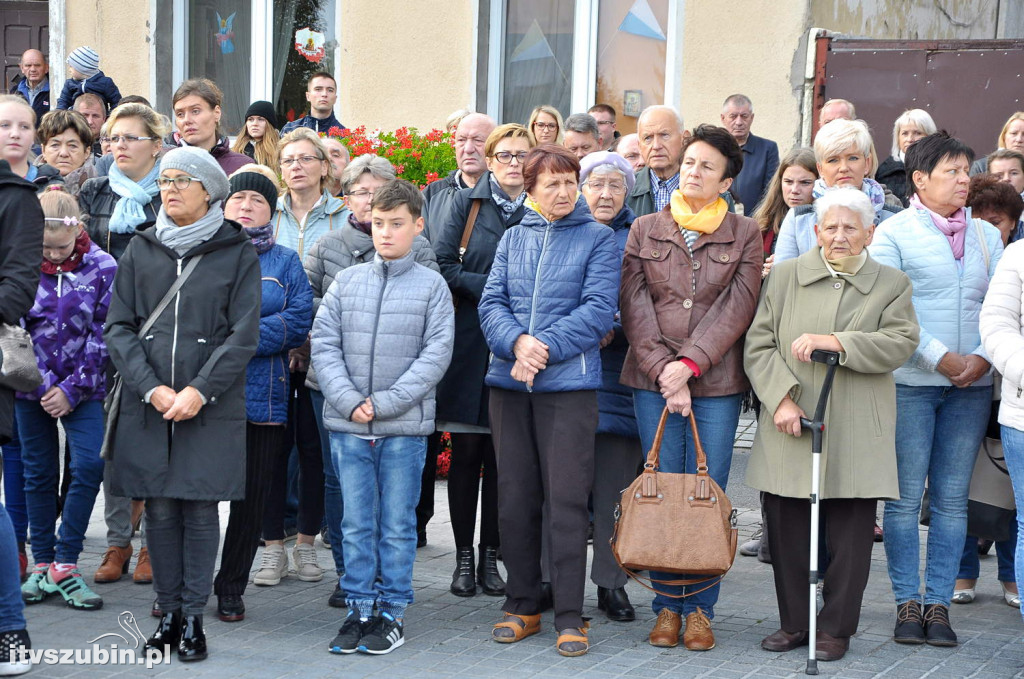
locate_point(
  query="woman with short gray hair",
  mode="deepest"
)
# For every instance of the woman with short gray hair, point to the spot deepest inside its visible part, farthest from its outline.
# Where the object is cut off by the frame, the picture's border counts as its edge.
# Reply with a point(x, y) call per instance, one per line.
point(912, 125)
point(837, 298)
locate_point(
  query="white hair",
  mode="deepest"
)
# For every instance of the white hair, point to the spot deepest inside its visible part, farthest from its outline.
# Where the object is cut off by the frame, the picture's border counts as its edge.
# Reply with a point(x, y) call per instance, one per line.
point(606, 168)
point(852, 199)
point(661, 107)
point(917, 117)
point(839, 135)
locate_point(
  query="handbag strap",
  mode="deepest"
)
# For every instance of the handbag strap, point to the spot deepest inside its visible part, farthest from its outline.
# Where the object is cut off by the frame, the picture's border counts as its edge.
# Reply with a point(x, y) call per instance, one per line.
point(467, 231)
point(175, 288)
point(649, 485)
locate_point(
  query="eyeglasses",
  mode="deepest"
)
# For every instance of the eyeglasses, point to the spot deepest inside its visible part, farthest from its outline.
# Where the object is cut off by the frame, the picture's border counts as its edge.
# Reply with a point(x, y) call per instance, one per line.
point(180, 182)
point(126, 138)
point(362, 193)
point(546, 126)
point(605, 122)
point(614, 188)
point(505, 157)
point(305, 160)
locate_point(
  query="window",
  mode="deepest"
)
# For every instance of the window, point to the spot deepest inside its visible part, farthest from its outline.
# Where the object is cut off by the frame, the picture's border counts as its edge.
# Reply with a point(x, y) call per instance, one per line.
point(631, 52)
point(220, 48)
point(538, 57)
point(293, 68)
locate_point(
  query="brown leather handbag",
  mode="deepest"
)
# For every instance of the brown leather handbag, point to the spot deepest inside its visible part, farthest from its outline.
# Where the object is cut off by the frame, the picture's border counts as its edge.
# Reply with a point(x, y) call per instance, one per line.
point(676, 523)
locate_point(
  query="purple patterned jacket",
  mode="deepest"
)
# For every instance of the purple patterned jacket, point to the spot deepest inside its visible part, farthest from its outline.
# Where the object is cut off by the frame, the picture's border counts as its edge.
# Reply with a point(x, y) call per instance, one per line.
point(66, 324)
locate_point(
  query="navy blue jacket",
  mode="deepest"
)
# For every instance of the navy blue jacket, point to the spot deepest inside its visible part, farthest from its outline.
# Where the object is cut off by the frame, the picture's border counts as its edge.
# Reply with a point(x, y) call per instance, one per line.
point(42, 103)
point(98, 84)
point(760, 160)
point(614, 400)
point(286, 316)
point(318, 125)
point(559, 282)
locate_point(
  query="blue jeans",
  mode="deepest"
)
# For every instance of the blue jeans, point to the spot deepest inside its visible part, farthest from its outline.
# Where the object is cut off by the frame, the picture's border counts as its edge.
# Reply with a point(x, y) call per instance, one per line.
point(970, 564)
point(14, 485)
point(333, 508)
point(40, 451)
point(380, 484)
point(717, 418)
point(938, 431)
point(1013, 451)
point(12, 608)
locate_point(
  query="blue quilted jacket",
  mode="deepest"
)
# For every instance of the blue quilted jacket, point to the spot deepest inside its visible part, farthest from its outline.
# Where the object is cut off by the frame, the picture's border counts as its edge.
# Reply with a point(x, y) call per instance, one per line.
point(947, 297)
point(286, 315)
point(559, 282)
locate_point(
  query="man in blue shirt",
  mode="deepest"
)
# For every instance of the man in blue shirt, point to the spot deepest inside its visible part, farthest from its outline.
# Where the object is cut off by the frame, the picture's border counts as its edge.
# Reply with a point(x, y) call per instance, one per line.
point(34, 86)
point(760, 156)
point(322, 95)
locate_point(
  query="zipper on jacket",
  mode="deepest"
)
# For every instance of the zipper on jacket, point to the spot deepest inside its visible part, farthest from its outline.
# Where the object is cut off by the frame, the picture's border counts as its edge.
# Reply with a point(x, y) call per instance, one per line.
point(583, 364)
point(376, 324)
point(174, 337)
point(60, 317)
point(536, 282)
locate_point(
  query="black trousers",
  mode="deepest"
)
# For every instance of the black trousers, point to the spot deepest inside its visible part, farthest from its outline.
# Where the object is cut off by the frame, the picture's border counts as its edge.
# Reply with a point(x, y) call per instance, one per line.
point(849, 536)
point(470, 452)
point(615, 461)
point(544, 445)
point(425, 507)
point(264, 445)
point(302, 430)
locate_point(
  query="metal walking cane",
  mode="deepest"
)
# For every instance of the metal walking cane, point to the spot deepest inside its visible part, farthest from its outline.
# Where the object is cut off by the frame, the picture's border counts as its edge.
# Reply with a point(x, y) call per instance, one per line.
point(817, 429)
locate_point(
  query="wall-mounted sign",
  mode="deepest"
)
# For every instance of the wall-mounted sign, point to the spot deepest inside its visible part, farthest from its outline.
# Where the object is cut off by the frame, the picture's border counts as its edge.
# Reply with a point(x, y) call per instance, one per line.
point(310, 44)
point(632, 102)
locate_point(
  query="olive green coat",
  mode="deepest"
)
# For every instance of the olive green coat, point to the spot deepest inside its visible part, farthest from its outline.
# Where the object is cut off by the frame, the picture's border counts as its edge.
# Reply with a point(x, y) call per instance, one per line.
point(872, 316)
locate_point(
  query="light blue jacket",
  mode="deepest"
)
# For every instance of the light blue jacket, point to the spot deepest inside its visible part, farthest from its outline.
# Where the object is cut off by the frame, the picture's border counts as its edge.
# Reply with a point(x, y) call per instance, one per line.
point(947, 296)
point(327, 215)
point(796, 234)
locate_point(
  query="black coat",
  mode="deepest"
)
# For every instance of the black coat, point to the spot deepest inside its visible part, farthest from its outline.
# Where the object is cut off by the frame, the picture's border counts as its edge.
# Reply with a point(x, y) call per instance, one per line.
point(21, 251)
point(461, 395)
point(437, 201)
point(209, 334)
point(893, 174)
point(97, 200)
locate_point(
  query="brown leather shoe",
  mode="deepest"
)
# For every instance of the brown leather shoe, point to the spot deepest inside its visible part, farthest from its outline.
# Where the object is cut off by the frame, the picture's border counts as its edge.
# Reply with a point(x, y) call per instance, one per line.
point(698, 635)
point(782, 641)
point(143, 571)
point(828, 648)
point(666, 629)
point(114, 565)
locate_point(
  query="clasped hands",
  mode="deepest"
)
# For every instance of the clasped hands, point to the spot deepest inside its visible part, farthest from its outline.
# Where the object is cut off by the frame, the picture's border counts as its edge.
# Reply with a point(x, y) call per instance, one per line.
point(177, 406)
point(963, 370)
point(531, 357)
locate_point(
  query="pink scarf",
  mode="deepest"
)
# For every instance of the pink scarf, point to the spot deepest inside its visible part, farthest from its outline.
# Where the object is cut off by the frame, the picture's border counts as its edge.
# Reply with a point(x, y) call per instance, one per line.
point(953, 227)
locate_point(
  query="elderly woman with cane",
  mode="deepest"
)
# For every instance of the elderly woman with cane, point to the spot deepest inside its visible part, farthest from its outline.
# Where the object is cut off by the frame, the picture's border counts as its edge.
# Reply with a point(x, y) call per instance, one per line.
point(864, 311)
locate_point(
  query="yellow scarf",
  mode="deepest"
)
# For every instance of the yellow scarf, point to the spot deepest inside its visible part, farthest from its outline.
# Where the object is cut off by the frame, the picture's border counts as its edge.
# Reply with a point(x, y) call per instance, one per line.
point(707, 220)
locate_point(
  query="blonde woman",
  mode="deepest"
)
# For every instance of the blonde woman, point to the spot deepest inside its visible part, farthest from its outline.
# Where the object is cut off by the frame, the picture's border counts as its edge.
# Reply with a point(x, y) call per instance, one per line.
point(259, 137)
point(1010, 137)
point(908, 128)
point(545, 126)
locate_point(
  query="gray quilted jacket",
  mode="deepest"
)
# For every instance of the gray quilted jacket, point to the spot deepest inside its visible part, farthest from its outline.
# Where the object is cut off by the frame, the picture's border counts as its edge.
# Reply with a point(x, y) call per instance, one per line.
point(338, 250)
point(384, 330)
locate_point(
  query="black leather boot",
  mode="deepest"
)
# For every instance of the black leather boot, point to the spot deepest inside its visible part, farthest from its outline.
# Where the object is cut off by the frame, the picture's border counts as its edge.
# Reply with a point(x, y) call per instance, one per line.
point(193, 639)
point(615, 604)
point(167, 633)
point(463, 581)
point(487, 575)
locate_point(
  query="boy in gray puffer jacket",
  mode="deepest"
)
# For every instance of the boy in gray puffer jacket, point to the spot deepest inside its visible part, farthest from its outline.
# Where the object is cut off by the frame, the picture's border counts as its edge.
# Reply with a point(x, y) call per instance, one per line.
point(382, 340)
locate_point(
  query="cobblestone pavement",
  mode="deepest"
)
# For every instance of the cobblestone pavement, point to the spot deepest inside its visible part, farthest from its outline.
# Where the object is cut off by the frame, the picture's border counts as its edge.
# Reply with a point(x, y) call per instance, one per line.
point(287, 627)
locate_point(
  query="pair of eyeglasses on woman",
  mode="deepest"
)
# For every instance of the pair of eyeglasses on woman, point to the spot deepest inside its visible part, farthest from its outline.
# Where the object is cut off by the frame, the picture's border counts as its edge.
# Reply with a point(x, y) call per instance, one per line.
point(615, 188)
point(180, 182)
point(546, 126)
point(305, 160)
point(126, 138)
point(505, 157)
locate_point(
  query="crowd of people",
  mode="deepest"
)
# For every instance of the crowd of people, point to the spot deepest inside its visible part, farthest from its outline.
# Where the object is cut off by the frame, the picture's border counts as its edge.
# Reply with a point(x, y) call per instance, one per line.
point(206, 314)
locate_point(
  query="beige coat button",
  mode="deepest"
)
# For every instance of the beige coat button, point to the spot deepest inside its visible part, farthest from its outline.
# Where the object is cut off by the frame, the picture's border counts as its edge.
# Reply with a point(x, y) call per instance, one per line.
point(655, 253)
point(696, 265)
point(723, 257)
point(837, 285)
point(687, 303)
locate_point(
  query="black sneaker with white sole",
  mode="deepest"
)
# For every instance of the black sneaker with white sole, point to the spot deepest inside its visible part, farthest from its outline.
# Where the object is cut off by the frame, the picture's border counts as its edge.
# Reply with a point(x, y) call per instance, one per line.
point(349, 635)
point(12, 662)
point(383, 635)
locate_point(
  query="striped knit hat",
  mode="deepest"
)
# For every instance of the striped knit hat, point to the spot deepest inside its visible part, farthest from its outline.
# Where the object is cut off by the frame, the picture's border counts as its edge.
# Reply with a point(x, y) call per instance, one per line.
point(85, 60)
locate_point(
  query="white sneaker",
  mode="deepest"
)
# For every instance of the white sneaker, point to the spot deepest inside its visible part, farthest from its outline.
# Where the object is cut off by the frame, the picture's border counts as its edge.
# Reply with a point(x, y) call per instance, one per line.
point(306, 567)
point(273, 567)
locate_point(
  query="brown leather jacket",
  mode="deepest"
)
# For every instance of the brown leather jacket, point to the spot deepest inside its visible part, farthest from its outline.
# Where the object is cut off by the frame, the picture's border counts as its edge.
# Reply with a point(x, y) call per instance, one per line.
point(673, 306)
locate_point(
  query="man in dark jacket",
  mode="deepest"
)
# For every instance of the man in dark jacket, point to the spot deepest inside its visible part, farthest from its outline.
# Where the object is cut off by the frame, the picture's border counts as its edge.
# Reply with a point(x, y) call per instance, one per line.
point(760, 155)
point(470, 137)
point(34, 85)
point(661, 134)
point(322, 95)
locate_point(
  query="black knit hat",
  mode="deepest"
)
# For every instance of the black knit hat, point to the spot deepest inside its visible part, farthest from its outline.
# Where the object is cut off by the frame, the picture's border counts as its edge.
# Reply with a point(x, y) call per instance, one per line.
point(263, 109)
point(254, 181)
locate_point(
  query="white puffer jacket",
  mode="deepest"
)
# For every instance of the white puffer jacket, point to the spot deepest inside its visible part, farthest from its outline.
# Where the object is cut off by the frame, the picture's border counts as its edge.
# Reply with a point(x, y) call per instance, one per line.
point(1001, 321)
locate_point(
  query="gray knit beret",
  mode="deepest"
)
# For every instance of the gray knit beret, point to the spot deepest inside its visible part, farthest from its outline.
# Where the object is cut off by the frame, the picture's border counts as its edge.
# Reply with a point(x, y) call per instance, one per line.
point(200, 164)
